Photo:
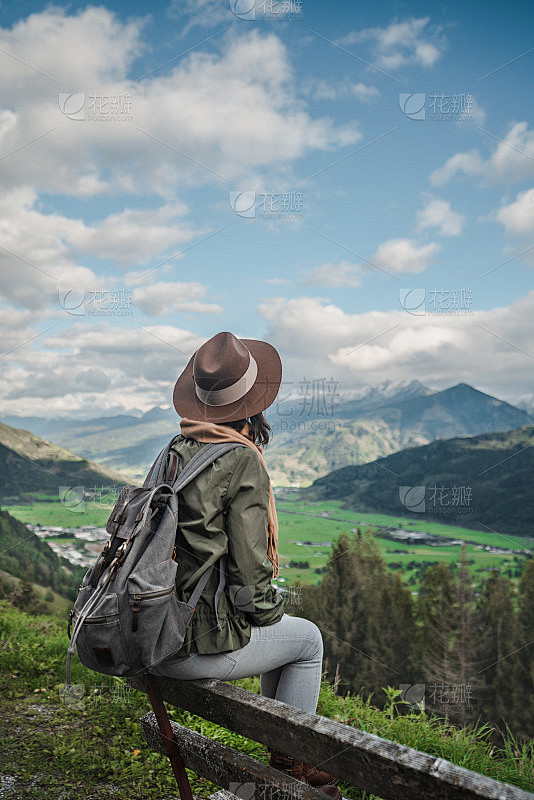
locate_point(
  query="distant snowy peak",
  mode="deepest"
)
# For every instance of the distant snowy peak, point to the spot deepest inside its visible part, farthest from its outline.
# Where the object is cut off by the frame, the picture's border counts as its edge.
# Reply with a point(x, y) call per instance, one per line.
point(387, 390)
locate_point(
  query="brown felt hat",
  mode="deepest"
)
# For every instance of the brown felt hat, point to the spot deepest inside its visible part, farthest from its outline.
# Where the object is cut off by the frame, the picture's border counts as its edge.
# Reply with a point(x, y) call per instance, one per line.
point(228, 379)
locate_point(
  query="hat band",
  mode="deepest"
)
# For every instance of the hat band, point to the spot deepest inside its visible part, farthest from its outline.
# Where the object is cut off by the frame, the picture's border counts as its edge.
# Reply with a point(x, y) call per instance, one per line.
point(230, 394)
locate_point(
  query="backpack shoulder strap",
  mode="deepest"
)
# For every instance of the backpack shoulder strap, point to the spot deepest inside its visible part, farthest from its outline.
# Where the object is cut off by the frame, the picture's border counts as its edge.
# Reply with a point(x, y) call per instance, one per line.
point(205, 456)
point(156, 472)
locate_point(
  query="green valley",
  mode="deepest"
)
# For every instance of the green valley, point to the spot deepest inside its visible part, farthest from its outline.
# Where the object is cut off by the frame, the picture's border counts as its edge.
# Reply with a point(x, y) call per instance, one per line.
point(305, 527)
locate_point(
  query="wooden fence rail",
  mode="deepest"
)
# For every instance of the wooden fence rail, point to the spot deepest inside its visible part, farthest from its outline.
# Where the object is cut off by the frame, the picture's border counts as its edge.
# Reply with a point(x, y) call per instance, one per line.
point(390, 770)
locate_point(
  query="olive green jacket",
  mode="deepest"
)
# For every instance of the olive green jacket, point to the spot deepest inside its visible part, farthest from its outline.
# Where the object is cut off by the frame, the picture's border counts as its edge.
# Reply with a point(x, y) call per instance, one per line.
point(225, 511)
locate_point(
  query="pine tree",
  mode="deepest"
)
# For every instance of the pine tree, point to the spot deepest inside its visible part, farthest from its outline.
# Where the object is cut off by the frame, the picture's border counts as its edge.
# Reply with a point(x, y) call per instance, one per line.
point(402, 630)
point(447, 643)
point(371, 614)
point(334, 606)
point(436, 614)
point(496, 634)
point(522, 678)
point(464, 657)
point(366, 618)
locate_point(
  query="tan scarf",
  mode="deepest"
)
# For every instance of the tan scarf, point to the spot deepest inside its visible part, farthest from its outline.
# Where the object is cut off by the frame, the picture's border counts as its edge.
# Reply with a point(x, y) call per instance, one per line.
point(213, 432)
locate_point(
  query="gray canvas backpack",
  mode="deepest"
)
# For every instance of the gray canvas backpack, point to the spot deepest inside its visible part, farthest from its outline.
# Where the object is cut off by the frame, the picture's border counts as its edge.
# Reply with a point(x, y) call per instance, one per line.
point(127, 617)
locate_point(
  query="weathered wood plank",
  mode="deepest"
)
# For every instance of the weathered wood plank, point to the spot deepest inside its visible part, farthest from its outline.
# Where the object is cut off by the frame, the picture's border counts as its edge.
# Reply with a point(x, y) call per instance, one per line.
point(226, 767)
point(222, 794)
point(390, 770)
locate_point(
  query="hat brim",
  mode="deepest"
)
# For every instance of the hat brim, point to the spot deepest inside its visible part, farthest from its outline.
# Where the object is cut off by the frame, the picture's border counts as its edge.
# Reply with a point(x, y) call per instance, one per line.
point(257, 399)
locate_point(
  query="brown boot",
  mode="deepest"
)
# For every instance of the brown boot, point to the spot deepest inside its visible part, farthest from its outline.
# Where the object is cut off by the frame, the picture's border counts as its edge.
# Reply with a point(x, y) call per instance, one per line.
point(306, 773)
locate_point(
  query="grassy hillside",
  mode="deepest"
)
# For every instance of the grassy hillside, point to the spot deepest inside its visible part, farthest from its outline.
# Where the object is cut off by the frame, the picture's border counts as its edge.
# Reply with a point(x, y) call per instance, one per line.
point(124, 443)
point(29, 465)
point(54, 603)
point(495, 468)
point(25, 556)
point(55, 752)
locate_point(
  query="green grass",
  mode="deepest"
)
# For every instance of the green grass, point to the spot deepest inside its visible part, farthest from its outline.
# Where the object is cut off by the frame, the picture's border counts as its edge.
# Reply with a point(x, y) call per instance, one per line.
point(303, 526)
point(61, 539)
point(52, 512)
point(57, 752)
point(297, 521)
point(335, 509)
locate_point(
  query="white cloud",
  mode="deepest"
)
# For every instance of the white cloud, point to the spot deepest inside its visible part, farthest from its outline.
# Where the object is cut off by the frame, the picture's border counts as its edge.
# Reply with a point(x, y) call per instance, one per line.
point(414, 41)
point(393, 256)
point(71, 49)
point(317, 339)
point(278, 281)
point(474, 113)
point(201, 13)
point(39, 252)
point(363, 92)
point(511, 160)
point(403, 255)
point(335, 275)
point(518, 217)
point(326, 90)
point(221, 13)
point(133, 236)
point(34, 261)
point(17, 332)
point(101, 369)
point(439, 214)
point(163, 298)
point(162, 147)
point(415, 341)
point(106, 367)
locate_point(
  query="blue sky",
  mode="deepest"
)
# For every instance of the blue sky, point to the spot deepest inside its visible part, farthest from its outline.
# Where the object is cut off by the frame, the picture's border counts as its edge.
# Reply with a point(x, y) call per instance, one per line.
point(355, 185)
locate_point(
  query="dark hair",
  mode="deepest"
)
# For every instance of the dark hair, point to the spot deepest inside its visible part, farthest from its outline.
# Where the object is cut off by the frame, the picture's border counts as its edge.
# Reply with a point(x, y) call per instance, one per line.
point(260, 430)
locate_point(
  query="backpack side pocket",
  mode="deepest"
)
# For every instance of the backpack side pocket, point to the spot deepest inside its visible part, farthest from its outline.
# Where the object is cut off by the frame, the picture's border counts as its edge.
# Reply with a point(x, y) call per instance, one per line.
point(159, 620)
point(100, 642)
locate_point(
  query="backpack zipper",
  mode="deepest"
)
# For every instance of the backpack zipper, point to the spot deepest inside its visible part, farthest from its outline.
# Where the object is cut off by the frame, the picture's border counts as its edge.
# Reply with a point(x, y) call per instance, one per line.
point(90, 620)
point(136, 605)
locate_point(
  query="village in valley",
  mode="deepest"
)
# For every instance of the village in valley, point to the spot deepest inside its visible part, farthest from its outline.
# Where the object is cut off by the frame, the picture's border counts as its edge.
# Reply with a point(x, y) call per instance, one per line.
point(80, 546)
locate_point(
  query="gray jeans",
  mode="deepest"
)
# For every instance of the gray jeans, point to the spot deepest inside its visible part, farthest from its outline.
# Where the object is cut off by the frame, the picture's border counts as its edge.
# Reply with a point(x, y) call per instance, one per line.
point(288, 655)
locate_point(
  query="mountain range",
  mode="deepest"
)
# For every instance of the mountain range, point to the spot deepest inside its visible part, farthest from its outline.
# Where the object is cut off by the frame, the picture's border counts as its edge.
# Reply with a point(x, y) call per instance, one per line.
point(483, 482)
point(314, 431)
point(364, 429)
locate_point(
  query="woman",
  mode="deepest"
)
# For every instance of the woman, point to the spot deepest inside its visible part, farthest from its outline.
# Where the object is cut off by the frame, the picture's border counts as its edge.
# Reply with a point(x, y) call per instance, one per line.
point(228, 518)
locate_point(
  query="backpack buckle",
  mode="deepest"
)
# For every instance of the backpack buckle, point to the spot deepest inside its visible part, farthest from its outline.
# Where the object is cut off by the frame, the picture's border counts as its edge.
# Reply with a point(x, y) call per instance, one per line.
point(115, 564)
point(117, 561)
